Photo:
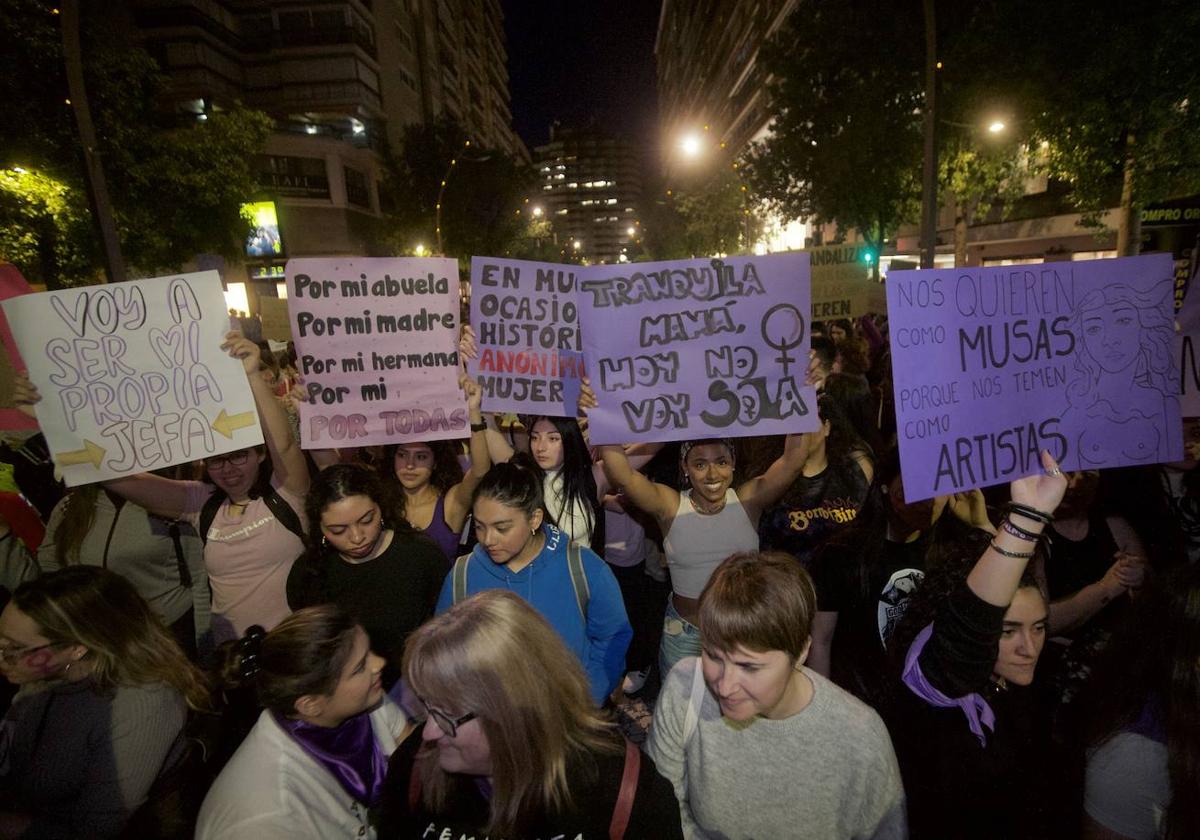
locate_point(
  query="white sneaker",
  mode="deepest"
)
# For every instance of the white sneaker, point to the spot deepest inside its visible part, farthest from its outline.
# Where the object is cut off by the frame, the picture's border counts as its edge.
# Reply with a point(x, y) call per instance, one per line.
point(634, 681)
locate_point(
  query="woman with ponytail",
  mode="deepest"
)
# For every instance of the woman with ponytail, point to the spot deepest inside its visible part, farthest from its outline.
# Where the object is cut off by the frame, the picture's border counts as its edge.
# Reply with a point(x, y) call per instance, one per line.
point(314, 764)
point(104, 694)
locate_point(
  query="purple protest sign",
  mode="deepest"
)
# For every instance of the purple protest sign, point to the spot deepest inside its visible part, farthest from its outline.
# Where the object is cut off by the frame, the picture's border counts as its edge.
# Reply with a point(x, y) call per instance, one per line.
point(377, 347)
point(526, 323)
point(992, 365)
point(1189, 331)
point(698, 348)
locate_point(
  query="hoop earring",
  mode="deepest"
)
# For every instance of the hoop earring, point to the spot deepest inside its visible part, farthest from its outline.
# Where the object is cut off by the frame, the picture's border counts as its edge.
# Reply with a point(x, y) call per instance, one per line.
point(67, 669)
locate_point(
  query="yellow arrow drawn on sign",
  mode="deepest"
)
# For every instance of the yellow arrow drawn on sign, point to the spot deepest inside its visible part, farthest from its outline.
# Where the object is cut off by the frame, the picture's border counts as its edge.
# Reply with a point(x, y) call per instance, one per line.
point(227, 424)
point(90, 454)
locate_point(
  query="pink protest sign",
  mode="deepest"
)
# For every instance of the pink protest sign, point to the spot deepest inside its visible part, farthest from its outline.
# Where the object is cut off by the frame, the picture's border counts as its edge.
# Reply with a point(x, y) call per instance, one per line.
point(377, 347)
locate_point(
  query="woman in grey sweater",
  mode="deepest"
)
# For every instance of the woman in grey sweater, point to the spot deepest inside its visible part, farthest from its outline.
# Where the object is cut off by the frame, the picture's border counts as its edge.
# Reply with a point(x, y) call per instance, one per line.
point(756, 744)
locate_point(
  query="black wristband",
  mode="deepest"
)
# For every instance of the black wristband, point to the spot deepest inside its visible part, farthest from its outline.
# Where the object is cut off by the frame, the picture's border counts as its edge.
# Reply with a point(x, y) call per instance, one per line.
point(1029, 513)
point(1019, 532)
point(479, 427)
point(1022, 555)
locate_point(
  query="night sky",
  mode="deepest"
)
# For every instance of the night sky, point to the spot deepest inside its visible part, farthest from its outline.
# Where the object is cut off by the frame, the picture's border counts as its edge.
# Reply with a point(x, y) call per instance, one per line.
point(582, 59)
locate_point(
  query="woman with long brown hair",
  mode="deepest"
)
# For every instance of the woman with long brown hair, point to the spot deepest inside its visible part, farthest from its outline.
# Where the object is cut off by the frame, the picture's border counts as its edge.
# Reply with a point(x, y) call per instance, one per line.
point(104, 694)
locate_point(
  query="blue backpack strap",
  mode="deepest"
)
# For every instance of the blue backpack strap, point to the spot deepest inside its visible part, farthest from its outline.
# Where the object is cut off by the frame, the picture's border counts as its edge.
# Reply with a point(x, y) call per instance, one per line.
point(579, 580)
point(458, 582)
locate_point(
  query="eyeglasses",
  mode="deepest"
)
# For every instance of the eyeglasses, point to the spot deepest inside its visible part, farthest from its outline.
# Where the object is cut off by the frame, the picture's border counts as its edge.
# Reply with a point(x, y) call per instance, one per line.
point(9, 655)
point(447, 724)
point(235, 459)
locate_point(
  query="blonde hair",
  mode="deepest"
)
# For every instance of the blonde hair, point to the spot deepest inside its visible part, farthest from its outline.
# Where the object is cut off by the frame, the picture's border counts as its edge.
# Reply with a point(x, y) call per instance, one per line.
point(126, 642)
point(493, 655)
point(759, 601)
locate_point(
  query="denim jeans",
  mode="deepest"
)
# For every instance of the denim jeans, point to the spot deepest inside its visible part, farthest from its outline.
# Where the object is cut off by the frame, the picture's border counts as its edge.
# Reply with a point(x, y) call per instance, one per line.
point(680, 639)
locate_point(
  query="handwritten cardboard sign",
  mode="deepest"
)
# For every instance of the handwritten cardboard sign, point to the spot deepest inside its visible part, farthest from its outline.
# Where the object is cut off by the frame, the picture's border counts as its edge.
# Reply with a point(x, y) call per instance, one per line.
point(841, 283)
point(698, 348)
point(993, 365)
point(377, 346)
point(526, 321)
point(132, 376)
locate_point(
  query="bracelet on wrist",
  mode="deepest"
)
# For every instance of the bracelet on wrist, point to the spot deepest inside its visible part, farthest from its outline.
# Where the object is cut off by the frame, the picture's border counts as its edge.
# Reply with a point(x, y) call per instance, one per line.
point(1021, 555)
point(1029, 513)
point(481, 426)
point(1017, 531)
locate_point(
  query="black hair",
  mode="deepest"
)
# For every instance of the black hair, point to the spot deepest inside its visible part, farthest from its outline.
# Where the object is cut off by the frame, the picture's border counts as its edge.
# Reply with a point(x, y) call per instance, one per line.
point(579, 482)
point(516, 484)
point(446, 472)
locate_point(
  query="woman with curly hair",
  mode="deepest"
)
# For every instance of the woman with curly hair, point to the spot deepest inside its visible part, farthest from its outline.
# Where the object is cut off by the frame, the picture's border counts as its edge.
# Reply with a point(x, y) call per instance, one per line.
point(104, 694)
point(366, 558)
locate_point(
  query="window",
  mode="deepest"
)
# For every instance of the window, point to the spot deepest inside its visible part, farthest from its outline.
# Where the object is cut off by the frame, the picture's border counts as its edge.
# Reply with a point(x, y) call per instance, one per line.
point(357, 191)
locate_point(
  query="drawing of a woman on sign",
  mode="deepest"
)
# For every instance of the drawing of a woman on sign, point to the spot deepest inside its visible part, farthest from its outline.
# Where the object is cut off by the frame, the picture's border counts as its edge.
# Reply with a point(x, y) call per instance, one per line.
point(1125, 385)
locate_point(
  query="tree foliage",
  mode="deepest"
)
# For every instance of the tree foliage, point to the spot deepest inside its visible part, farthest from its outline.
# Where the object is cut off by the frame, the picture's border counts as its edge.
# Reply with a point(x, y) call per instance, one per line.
point(481, 202)
point(845, 143)
point(176, 187)
point(717, 216)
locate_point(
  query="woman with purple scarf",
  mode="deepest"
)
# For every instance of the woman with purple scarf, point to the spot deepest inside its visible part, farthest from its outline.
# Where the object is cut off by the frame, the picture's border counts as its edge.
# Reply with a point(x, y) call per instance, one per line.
point(314, 764)
point(965, 726)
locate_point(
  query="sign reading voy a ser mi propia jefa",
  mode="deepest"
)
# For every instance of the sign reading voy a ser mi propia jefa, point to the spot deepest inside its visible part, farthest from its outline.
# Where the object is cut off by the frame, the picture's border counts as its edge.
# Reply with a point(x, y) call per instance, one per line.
point(132, 376)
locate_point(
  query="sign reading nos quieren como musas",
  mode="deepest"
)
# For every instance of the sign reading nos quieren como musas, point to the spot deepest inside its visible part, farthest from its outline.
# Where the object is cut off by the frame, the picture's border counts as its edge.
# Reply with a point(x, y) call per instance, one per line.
point(992, 365)
point(377, 347)
point(697, 348)
point(132, 376)
point(526, 320)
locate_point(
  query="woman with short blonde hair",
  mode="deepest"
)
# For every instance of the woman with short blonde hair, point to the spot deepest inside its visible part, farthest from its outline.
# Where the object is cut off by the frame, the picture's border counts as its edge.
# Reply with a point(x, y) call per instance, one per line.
point(510, 713)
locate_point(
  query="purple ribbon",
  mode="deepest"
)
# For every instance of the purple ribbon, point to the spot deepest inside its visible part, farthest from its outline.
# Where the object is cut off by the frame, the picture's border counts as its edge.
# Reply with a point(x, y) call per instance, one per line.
point(349, 751)
point(977, 711)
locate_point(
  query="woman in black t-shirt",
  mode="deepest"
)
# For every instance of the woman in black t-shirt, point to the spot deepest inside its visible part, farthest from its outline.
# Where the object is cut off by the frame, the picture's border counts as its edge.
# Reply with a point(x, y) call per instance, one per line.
point(368, 559)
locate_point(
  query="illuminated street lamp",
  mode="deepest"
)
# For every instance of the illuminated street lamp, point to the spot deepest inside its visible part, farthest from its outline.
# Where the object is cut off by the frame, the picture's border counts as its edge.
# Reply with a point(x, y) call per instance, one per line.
point(630, 230)
point(419, 250)
point(690, 145)
point(996, 126)
point(537, 212)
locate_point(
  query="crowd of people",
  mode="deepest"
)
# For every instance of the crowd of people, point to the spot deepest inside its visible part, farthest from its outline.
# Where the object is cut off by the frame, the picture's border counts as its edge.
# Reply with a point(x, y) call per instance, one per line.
point(440, 639)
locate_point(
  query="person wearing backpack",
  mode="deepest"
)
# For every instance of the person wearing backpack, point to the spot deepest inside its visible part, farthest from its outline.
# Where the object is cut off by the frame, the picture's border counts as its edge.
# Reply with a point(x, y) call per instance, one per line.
point(513, 746)
point(521, 550)
point(249, 511)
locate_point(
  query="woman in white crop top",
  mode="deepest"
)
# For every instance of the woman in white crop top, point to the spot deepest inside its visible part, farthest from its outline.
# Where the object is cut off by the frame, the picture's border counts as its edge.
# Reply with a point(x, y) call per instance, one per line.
point(702, 525)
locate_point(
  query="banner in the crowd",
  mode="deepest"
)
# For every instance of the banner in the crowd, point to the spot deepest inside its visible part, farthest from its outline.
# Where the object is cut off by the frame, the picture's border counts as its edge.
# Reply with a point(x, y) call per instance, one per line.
point(1189, 345)
point(276, 325)
point(132, 376)
point(841, 283)
point(697, 348)
point(992, 365)
point(377, 348)
point(525, 316)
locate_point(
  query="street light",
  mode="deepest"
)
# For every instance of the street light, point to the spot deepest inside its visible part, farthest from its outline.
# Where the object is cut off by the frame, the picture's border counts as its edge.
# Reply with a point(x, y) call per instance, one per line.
point(537, 212)
point(630, 230)
point(576, 244)
point(419, 250)
point(690, 145)
point(996, 126)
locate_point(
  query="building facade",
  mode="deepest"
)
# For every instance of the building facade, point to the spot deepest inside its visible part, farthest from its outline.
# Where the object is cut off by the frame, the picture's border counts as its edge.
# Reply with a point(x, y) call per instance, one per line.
point(341, 80)
point(590, 187)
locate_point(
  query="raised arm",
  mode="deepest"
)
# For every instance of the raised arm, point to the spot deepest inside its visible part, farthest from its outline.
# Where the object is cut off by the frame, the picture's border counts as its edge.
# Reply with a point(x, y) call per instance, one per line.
point(287, 460)
point(458, 498)
point(759, 493)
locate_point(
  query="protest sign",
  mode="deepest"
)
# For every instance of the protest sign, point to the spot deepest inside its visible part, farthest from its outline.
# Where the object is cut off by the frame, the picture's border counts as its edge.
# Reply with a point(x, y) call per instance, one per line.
point(697, 348)
point(275, 323)
point(841, 283)
point(377, 347)
point(132, 376)
point(525, 316)
point(993, 365)
point(1189, 334)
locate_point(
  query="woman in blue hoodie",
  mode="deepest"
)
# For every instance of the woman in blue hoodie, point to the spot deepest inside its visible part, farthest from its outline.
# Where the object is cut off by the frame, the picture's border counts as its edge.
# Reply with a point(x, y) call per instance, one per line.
point(521, 550)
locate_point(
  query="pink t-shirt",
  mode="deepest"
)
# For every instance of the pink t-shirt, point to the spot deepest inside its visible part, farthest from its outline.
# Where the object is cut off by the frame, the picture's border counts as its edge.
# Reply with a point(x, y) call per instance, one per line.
point(248, 557)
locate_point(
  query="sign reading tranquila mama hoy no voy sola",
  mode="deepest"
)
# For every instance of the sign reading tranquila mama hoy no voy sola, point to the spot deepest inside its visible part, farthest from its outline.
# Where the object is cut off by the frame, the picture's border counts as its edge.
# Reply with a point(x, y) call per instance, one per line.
point(993, 365)
point(377, 345)
point(132, 376)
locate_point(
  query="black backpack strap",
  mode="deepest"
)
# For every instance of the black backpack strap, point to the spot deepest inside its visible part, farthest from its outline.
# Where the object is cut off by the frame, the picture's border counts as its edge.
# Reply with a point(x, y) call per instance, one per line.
point(209, 512)
point(284, 514)
point(185, 574)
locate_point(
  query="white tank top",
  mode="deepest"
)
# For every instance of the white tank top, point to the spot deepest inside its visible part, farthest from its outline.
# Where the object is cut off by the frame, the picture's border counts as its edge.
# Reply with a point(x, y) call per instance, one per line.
point(697, 543)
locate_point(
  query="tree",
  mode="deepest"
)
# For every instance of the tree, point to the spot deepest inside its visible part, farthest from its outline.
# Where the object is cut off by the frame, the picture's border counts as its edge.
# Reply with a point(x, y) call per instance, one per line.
point(481, 199)
point(717, 216)
point(177, 187)
point(845, 142)
point(978, 176)
point(1115, 95)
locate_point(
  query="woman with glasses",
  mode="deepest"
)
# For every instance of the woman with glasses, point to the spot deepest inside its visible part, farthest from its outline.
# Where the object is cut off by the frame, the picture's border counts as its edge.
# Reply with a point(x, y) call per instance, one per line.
point(249, 511)
point(314, 764)
point(513, 746)
point(103, 695)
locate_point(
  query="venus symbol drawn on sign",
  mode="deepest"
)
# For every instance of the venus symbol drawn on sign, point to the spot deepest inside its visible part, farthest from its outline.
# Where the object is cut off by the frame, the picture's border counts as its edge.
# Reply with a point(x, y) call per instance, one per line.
point(785, 321)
